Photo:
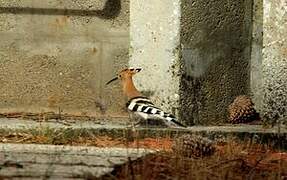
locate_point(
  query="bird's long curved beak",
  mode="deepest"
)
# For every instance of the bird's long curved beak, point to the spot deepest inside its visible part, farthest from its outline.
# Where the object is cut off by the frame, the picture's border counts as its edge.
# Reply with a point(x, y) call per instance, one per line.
point(116, 78)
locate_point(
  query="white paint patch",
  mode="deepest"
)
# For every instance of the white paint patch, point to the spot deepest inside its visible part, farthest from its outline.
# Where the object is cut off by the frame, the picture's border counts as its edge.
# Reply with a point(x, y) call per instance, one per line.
point(155, 33)
point(267, 8)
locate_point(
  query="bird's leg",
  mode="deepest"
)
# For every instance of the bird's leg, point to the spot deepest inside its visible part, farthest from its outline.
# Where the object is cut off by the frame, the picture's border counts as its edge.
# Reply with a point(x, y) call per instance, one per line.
point(143, 123)
point(140, 122)
point(131, 120)
point(155, 122)
point(135, 120)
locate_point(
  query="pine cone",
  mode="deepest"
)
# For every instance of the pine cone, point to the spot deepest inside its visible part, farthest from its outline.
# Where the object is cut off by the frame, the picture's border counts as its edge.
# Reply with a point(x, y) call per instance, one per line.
point(193, 146)
point(242, 110)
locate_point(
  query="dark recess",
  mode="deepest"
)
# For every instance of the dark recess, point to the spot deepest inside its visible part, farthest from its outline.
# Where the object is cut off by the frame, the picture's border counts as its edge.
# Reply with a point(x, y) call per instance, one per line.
point(111, 10)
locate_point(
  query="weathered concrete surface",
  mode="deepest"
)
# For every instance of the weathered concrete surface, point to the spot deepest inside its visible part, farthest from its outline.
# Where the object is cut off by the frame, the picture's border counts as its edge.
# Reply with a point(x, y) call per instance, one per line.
point(274, 136)
point(215, 43)
point(275, 60)
point(154, 42)
point(60, 162)
point(17, 124)
point(59, 54)
point(70, 124)
point(256, 79)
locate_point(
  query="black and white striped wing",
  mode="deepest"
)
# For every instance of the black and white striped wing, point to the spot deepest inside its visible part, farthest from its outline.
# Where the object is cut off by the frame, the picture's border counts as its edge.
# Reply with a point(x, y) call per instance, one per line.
point(143, 107)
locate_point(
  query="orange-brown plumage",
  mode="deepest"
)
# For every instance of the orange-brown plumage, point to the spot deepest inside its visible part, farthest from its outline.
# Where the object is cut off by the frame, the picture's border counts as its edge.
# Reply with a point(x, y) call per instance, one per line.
point(129, 89)
point(140, 105)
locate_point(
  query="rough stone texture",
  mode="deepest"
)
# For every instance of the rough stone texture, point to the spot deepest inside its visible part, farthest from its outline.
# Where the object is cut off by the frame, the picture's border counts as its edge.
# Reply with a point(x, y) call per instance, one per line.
point(256, 79)
point(155, 26)
point(59, 162)
point(18, 124)
point(215, 43)
point(275, 60)
point(58, 54)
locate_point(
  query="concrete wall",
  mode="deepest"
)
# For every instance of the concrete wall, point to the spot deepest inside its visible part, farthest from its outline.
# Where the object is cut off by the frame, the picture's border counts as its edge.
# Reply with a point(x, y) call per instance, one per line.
point(59, 54)
point(215, 43)
point(154, 47)
point(275, 60)
point(196, 55)
point(256, 77)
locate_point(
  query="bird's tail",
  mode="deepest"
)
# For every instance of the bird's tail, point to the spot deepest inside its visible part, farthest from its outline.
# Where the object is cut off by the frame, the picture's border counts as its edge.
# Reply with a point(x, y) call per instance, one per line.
point(147, 110)
point(171, 120)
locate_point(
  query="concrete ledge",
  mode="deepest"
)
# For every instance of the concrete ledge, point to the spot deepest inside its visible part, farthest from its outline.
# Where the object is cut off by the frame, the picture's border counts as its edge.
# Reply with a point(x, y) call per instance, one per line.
point(256, 133)
point(61, 162)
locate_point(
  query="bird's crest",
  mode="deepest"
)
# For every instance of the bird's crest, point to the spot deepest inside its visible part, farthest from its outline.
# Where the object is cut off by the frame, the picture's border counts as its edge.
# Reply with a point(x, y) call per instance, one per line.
point(128, 72)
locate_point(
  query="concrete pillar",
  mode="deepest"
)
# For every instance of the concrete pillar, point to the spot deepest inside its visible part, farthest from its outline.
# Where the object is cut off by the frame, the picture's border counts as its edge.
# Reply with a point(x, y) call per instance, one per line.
point(195, 54)
point(154, 34)
point(256, 80)
point(216, 44)
point(275, 60)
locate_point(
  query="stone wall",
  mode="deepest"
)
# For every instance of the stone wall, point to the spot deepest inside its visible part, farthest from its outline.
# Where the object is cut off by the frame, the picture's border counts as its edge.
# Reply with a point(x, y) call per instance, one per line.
point(215, 43)
point(275, 60)
point(58, 55)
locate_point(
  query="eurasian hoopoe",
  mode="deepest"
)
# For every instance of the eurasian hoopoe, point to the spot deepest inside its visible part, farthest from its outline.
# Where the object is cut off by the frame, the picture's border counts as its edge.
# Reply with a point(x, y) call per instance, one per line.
point(140, 105)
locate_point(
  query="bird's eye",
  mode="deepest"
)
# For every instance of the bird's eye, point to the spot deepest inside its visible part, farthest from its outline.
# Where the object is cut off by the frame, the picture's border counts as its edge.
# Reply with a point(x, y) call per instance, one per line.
point(120, 75)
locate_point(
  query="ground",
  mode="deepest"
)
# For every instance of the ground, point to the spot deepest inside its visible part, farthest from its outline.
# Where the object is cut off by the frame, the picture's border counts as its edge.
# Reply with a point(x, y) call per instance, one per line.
point(232, 159)
point(242, 152)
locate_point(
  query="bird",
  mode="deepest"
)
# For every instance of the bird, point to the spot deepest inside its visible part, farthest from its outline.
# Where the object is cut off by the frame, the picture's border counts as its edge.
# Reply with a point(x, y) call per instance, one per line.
point(140, 106)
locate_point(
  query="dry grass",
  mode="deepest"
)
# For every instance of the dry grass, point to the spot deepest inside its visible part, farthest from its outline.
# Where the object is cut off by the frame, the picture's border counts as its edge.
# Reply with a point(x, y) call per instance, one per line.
point(97, 141)
point(44, 116)
point(232, 160)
